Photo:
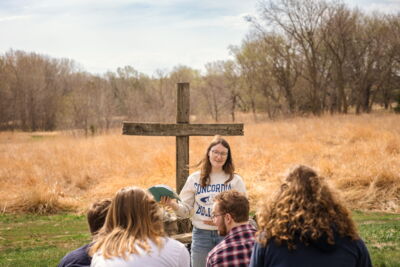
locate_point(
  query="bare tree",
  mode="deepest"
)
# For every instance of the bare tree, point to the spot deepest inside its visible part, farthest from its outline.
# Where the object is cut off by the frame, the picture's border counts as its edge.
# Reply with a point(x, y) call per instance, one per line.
point(247, 58)
point(371, 60)
point(232, 78)
point(214, 90)
point(337, 34)
point(285, 66)
point(301, 21)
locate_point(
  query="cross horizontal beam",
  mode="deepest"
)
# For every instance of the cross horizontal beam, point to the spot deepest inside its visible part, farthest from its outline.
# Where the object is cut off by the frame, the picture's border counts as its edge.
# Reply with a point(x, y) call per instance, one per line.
point(160, 129)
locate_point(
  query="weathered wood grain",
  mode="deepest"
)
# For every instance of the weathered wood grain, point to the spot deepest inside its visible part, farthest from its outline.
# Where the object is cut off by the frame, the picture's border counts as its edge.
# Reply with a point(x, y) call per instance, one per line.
point(158, 129)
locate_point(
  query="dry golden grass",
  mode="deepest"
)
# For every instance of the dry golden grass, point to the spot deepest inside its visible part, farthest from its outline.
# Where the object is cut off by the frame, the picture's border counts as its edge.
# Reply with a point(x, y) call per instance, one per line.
point(359, 156)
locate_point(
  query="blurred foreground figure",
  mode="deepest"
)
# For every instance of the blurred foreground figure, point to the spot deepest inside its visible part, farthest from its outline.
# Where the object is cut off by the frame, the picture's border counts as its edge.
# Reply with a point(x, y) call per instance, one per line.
point(305, 225)
point(133, 235)
point(96, 216)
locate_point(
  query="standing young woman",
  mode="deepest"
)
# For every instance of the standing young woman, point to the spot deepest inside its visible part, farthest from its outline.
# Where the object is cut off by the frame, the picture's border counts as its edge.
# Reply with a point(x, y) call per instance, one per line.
point(216, 175)
point(133, 235)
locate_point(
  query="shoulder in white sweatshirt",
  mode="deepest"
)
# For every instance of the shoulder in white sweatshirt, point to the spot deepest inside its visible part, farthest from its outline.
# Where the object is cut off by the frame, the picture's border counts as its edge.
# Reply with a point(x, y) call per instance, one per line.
point(197, 201)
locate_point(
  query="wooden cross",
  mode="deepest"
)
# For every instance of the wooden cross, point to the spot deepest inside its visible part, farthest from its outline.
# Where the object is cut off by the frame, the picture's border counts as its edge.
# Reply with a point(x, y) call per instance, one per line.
point(182, 130)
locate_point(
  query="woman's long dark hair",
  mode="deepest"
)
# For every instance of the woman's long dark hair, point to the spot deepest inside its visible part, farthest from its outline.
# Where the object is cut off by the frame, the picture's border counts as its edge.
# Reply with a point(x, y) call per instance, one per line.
point(205, 163)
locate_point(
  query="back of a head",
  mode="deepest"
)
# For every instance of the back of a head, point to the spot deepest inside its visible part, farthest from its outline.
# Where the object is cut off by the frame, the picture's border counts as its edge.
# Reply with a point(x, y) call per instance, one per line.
point(134, 218)
point(134, 210)
point(301, 173)
point(305, 207)
point(304, 183)
point(96, 215)
point(234, 203)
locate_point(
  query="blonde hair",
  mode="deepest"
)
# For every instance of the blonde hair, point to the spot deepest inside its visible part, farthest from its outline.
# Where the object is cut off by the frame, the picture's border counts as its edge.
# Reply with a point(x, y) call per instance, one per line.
point(305, 209)
point(133, 219)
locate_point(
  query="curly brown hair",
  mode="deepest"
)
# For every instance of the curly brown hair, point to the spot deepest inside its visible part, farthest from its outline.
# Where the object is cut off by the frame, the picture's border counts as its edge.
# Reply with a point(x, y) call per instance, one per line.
point(304, 209)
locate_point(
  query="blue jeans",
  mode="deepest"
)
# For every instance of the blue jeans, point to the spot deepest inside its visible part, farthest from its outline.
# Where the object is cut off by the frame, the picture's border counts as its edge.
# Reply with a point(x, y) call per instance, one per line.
point(202, 242)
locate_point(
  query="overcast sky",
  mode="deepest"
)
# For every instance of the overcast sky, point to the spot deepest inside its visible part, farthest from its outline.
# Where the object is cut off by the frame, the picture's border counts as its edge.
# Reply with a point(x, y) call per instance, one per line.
point(148, 35)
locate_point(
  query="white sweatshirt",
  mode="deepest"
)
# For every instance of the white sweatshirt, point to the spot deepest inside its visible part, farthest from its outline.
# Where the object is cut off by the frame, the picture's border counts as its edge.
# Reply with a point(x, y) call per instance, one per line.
point(197, 201)
point(173, 254)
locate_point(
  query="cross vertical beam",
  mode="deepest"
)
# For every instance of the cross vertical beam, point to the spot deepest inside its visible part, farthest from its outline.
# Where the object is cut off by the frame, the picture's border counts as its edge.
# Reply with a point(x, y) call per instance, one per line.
point(182, 130)
point(182, 142)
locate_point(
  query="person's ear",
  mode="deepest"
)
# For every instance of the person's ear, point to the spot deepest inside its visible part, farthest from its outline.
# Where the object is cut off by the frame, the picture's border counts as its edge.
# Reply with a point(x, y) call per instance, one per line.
point(228, 218)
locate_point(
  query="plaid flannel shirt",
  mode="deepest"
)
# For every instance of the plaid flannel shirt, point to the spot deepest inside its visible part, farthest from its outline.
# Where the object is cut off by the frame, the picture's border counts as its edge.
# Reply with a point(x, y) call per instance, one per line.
point(235, 249)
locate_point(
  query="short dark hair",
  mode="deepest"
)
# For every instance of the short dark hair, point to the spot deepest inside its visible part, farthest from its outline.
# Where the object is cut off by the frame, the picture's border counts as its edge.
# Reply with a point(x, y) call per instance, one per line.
point(234, 203)
point(96, 215)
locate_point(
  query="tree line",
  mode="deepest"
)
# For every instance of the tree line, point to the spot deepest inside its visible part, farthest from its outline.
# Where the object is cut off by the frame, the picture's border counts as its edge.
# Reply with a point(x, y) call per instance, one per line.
point(300, 57)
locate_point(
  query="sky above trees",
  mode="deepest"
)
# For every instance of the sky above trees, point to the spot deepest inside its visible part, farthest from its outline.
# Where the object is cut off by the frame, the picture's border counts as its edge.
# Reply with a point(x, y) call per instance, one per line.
point(103, 35)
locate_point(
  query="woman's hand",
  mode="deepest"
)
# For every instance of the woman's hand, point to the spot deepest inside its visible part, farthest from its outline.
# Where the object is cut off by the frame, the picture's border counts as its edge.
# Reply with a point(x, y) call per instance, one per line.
point(209, 223)
point(167, 201)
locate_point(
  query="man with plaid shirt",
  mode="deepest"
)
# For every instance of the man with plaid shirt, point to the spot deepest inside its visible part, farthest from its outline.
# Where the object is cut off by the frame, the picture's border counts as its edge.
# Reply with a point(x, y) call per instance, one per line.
point(231, 216)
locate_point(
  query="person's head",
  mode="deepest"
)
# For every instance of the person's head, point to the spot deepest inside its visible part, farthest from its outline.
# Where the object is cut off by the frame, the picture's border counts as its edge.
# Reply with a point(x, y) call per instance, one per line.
point(218, 156)
point(231, 208)
point(304, 209)
point(134, 217)
point(96, 215)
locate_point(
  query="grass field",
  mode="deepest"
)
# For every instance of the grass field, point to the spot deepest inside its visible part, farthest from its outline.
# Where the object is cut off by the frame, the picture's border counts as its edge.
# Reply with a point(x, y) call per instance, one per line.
point(46, 173)
point(61, 173)
point(34, 240)
point(30, 240)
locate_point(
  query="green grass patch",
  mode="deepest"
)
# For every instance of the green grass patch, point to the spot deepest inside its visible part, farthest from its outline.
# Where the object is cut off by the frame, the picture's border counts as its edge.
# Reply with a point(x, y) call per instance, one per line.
point(381, 233)
point(33, 240)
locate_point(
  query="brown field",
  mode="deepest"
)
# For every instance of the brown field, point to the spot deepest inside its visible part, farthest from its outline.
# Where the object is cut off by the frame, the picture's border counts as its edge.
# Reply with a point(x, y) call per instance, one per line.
point(358, 155)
